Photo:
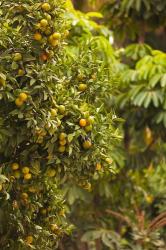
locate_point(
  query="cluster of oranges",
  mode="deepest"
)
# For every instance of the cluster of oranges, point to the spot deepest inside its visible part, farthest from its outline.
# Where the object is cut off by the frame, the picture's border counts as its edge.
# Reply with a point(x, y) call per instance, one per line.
point(21, 99)
point(44, 30)
point(87, 124)
point(62, 142)
point(18, 171)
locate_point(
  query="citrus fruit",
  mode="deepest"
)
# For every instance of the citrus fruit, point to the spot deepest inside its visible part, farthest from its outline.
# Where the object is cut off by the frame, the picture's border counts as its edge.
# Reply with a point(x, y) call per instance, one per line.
point(88, 128)
point(15, 166)
point(46, 7)
point(29, 239)
point(61, 109)
point(62, 142)
point(61, 149)
point(98, 166)
point(24, 196)
point(62, 136)
point(82, 122)
point(44, 23)
point(56, 35)
point(53, 112)
point(23, 97)
point(19, 102)
point(51, 172)
point(21, 72)
point(27, 176)
point(17, 57)
point(82, 87)
point(17, 174)
point(87, 144)
point(25, 170)
point(37, 36)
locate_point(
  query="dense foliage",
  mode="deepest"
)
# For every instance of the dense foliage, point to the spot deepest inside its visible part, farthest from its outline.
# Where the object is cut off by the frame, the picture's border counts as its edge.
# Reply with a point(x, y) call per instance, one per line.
point(82, 127)
point(54, 128)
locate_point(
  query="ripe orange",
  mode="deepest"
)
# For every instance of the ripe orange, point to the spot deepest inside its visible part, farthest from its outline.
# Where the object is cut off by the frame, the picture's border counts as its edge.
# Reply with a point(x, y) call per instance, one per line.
point(15, 166)
point(83, 123)
point(19, 102)
point(46, 7)
point(44, 23)
point(54, 43)
point(23, 97)
point(27, 176)
point(37, 36)
point(98, 166)
point(87, 144)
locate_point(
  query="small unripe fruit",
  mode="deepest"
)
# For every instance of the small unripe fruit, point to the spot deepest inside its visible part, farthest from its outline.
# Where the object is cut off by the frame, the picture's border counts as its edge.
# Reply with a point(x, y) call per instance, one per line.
point(51, 172)
point(82, 87)
point(61, 109)
point(21, 72)
point(53, 112)
point(17, 174)
point(61, 149)
point(17, 57)
point(25, 170)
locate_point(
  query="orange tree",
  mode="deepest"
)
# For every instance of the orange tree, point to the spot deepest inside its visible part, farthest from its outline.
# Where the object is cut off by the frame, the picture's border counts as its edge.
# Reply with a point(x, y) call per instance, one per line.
point(53, 124)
